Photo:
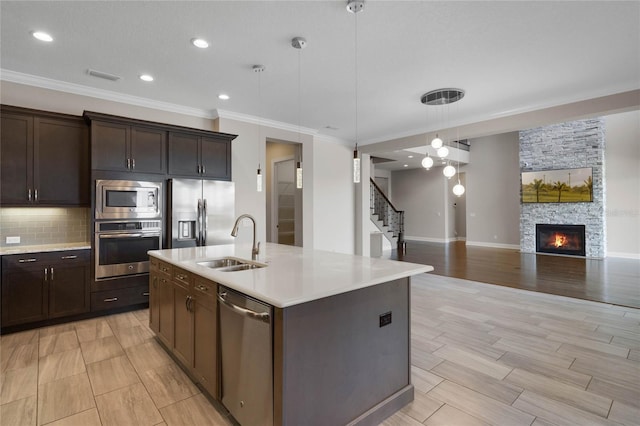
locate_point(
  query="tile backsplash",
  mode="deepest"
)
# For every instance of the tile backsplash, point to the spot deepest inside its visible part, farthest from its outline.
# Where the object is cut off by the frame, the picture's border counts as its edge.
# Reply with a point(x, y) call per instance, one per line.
point(43, 225)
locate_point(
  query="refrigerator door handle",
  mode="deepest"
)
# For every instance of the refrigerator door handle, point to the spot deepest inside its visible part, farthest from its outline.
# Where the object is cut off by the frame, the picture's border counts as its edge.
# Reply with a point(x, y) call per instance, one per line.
point(205, 219)
point(199, 224)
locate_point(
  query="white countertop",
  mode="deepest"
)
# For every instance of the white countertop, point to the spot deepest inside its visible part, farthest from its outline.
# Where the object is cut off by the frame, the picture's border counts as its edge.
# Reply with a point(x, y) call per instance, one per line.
point(44, 248)
point(294, 275)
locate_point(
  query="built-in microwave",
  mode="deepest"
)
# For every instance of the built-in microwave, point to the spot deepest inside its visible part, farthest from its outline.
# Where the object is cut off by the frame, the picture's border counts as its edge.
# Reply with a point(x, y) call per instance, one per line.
point(126, 199)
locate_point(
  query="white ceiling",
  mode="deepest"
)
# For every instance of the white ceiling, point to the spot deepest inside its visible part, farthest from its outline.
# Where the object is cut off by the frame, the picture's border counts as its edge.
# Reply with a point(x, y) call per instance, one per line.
point(510, 57)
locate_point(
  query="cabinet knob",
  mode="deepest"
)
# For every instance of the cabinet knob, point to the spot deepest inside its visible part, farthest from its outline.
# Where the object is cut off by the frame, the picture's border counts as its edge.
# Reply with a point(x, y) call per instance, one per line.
point(203, 288)
point(181, 277)
point(146, 293)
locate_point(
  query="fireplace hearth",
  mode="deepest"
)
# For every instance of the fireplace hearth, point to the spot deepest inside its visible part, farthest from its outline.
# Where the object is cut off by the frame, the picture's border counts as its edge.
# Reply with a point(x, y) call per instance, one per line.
point(560, 239)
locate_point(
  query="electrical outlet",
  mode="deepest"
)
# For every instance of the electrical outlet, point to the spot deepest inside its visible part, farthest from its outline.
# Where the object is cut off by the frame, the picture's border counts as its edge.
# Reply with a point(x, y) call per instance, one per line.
point(13, 240)
point(385, 319)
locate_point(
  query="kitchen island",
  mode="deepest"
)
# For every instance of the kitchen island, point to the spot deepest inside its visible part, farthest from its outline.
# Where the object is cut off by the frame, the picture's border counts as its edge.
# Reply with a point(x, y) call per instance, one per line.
point(337, 331)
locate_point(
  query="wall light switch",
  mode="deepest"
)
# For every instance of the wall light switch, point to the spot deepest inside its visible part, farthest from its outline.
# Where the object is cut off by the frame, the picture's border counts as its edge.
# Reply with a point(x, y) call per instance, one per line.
point(13, 240)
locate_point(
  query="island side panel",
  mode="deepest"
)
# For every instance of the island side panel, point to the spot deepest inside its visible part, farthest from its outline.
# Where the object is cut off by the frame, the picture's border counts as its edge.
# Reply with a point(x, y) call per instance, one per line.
point(333, 362)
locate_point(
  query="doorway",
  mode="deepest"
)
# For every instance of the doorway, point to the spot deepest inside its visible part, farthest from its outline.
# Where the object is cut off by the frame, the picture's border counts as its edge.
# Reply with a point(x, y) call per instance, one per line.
point(284, 199)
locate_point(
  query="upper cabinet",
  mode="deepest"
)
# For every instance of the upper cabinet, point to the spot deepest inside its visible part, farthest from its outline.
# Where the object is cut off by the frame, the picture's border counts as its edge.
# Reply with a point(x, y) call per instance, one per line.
point(195, 155)
point(44, 159)
point(126, 145)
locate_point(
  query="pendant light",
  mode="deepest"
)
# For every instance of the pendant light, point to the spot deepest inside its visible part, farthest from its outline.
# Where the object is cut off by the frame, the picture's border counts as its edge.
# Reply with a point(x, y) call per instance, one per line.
point(449, 171)
point(427, 162)
point(436, 143)
point(299, 43)
point(356, 6)
point(458, 189)
point(259, 69)
point(442, 152)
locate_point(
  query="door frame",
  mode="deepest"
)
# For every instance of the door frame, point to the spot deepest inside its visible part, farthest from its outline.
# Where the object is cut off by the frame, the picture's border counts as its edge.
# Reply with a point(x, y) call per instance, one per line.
point(274, 201)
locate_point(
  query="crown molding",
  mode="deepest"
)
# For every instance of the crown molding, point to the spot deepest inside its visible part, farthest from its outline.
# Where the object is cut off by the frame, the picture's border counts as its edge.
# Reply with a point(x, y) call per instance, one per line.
point(246, 118)
point(77, 89)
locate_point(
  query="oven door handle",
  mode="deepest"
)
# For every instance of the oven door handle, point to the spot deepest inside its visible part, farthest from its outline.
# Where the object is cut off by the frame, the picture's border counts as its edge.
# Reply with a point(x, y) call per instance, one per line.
point(137, 235)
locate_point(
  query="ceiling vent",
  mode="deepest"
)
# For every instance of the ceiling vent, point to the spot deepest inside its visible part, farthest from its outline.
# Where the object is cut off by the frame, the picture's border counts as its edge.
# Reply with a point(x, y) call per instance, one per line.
point(104, 75)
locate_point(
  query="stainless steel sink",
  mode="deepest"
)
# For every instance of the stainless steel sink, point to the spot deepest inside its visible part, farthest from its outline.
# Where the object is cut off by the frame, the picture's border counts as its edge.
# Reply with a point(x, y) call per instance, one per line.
point(230, 264)
point(241, 267)
point(220, 263)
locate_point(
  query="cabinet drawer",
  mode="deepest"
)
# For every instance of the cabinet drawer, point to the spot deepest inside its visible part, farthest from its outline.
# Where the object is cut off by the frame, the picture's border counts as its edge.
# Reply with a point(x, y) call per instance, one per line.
point(205, 292)
point(182, 277)
point(110, 299)
point(45, 259)
point(165, 268)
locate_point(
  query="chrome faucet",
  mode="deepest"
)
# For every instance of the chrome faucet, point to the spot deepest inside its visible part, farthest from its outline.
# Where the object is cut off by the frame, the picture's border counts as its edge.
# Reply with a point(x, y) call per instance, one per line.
point(234, 233)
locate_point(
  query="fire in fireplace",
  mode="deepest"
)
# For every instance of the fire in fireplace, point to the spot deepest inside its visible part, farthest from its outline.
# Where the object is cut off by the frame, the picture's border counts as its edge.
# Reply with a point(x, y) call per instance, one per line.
point(560, 239)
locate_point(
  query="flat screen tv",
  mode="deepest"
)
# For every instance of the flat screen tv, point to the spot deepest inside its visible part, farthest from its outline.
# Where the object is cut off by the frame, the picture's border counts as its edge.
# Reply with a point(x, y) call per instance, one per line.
point(558, 186)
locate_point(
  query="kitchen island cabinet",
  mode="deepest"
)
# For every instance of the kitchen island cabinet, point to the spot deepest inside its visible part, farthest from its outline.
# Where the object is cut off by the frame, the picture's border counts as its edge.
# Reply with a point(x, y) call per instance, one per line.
point(339, 329)
point(44, 159)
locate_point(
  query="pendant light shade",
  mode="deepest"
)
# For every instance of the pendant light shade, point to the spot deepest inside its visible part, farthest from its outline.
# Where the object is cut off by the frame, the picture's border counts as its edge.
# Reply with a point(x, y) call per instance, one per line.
point(443, 151)
point(356, 166)
point(427, 162)
point(298, 175)
point(449, 171)
point(436, 142)
point(259, 180)
point(458, 189)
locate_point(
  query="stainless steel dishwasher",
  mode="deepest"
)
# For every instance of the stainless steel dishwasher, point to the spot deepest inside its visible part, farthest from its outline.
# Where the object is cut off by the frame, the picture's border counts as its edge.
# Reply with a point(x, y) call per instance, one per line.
point(247, 366)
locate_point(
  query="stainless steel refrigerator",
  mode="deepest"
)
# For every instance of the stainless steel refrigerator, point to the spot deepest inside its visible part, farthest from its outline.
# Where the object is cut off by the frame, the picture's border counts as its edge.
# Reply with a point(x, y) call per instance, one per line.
point(201, 212)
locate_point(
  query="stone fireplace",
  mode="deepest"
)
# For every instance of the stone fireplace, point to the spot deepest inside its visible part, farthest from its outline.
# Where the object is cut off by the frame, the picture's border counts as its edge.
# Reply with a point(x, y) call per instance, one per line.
point(571, 145)
point(561, 239)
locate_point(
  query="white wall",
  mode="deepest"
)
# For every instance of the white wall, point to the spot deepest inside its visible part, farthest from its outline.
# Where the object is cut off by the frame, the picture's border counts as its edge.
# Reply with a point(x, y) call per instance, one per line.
point(333, 204)
point(622, 177)
point(422, 195)
point(493, 191)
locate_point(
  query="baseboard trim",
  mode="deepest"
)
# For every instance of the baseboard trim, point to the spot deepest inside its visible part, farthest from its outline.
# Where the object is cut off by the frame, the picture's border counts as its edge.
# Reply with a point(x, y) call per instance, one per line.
point(621, 255)
point(493, 245)
point(428, 239)
point(378, 413)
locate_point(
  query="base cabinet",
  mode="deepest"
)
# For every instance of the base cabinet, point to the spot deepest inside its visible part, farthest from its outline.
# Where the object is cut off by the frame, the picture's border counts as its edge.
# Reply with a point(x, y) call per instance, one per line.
point(183, 314)
point(40, 286)
point(161, 310)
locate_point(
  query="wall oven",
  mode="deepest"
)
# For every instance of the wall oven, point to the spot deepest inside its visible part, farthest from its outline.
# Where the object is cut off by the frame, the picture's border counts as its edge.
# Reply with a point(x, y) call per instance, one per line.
point(121, 247)
point(126, 199)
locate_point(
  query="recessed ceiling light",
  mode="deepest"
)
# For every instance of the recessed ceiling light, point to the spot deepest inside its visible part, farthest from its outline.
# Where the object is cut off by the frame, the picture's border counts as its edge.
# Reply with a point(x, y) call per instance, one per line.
point(411, 156)
point(146, 77)
point(406, 165)
point(42, 36)
point(223, 96)
point(201, 43)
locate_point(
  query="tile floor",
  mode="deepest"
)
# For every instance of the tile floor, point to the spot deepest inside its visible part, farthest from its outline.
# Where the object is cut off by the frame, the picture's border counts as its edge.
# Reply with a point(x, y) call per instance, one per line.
point(481, 355)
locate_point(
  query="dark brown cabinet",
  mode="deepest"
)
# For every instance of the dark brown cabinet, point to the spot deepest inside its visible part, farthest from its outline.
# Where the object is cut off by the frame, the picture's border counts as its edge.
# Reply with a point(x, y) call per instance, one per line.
point(125, 147)
point(196, 155)
point(39, 286)
point(44, 159)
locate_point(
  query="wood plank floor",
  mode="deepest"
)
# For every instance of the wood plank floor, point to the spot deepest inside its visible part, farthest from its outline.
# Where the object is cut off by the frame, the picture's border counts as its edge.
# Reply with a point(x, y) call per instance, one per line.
point(481, 354)
point(610, 280)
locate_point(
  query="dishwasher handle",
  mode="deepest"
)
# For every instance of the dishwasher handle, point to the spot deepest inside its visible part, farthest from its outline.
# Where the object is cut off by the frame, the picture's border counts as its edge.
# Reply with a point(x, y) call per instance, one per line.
point(260, 316)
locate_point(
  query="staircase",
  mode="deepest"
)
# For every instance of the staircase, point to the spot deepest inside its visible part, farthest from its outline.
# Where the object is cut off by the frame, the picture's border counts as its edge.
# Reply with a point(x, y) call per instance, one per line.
point(388, 219)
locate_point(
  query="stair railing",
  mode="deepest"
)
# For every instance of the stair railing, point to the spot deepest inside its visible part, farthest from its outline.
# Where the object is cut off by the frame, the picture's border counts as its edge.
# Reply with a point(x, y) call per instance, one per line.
point(387, 213)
